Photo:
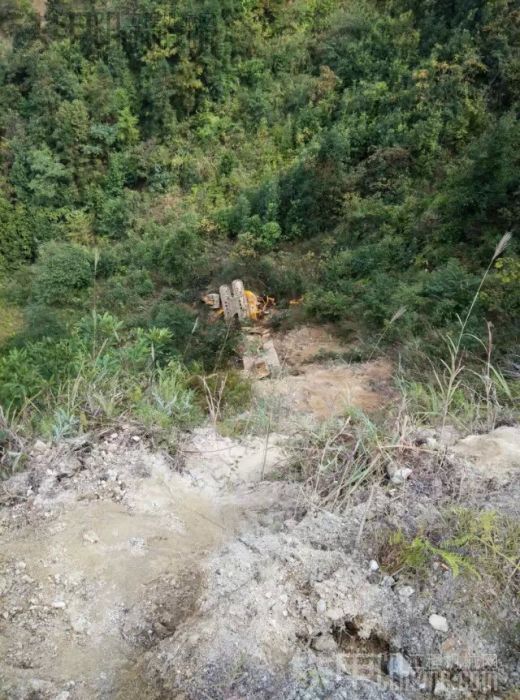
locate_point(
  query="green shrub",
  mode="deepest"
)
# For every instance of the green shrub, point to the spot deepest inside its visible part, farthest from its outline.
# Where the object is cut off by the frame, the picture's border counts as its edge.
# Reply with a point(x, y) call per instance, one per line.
point(195, 338)
point(62, 272)
point(181, 255)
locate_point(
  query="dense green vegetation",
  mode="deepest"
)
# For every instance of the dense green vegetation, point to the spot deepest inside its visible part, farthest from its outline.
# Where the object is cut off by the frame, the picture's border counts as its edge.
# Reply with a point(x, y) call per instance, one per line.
point(365, 155)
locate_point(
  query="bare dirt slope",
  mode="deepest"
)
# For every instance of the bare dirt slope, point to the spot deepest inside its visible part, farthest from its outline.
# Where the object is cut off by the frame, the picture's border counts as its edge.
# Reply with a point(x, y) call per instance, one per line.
point(317, 381)
point(93, 534)
point(125, 574)
point(122, 577)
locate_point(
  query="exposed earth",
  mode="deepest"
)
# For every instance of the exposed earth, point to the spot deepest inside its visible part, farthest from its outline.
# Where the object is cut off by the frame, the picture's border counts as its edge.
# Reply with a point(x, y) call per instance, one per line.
point(128, 574)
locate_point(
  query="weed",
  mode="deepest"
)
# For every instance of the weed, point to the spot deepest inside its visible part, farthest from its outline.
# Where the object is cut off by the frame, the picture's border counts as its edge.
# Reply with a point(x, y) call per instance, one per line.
point(223, 393)
point(418, 555)
point(449, 379)
point(337, 458)
point(473, 543)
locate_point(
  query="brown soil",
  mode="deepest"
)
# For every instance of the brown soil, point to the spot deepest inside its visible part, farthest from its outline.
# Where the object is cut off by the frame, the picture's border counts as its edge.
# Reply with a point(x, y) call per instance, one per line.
point(315, 381)
point(306, 344)
point(324, 391)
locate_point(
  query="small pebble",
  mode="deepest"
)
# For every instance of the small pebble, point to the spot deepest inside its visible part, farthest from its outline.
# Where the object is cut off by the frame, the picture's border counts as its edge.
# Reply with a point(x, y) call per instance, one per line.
point(405, 592)
point(321, 606)
point(91, 537)
point(398, 667)
point(400, 475)
point(325, 642)
point(438, 622)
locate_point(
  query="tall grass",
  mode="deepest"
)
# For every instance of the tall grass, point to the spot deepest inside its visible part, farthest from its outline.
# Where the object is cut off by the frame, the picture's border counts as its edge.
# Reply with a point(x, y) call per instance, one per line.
point(339, 457)
point(463, 388)
point(449, 381)
point(98, 375)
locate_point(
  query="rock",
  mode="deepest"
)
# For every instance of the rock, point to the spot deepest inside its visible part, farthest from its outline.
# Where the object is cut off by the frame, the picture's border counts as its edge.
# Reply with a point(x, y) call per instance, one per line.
point(399, 476)
point(90, 536)
point(440, 690)
point(494, 455)
point(405, 592)
point(373, 565)
point(335, 614)
point(438, 622)
point(398, 667)
point(68, 467)
point(321, 606)
point(388, 582)
point(39, 446)
point(325, 642)
point(58, 604)
point(79, 624)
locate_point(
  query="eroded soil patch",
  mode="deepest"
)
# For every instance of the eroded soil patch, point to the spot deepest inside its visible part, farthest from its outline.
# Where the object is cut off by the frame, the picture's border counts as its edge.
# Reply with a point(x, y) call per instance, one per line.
point(327, 390)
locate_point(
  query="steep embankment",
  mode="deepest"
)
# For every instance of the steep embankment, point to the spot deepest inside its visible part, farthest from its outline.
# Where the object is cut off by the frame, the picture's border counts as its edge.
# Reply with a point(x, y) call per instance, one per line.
point(129, 574)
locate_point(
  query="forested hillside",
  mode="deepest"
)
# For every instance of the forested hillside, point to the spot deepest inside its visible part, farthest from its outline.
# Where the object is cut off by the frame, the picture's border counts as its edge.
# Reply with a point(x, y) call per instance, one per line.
point(363, 155)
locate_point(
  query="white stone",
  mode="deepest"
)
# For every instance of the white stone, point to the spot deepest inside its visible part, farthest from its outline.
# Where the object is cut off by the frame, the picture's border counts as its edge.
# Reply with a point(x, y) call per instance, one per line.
point(400, 475)
point(438, 622)
point(440, 690)
point(335, 614)
point(321, 606)
point(90, 536)
point(373, 565)
point(398, 667)
point(405, 592)
point(325, 642)
point(79, 625)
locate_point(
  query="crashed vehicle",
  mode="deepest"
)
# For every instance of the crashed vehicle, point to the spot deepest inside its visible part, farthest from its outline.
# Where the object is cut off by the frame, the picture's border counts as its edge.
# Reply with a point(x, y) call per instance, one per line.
point(233, 301)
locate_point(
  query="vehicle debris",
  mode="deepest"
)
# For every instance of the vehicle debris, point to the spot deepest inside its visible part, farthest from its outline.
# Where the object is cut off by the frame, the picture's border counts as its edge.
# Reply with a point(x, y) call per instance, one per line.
point(259, 355)
point(235, 302)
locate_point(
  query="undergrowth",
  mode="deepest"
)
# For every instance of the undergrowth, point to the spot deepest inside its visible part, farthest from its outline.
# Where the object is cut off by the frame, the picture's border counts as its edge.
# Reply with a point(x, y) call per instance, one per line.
point(476, 544)
point(103, 373)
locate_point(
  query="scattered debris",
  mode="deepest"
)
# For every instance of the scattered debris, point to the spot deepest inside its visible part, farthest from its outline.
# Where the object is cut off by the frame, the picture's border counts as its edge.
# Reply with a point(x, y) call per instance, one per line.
point(235, 302)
